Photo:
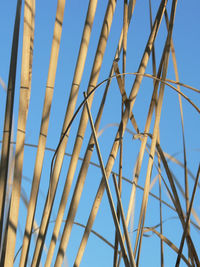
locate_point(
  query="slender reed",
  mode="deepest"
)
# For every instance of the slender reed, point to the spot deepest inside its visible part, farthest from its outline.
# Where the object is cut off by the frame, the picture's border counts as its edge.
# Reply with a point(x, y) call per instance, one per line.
point(7, 132)
point(25, 87)
point(43, 131)
point(80, 135)
point(123, 124)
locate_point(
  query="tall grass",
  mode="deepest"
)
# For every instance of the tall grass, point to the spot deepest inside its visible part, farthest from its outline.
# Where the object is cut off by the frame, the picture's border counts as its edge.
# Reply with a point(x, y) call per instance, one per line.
point(149, 212)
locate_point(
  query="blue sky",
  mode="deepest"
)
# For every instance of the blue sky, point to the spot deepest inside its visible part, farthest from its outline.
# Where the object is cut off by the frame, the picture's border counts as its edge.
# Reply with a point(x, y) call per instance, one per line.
point(186, 37)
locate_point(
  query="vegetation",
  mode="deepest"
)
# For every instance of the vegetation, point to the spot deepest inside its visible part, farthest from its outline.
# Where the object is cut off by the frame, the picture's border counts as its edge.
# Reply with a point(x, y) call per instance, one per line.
point(147, 212)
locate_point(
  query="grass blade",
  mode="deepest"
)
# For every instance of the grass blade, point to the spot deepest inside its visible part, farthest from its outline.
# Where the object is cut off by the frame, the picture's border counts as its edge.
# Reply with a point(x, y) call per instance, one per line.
point(185, 232)
point(126, 115)
point(23, 112)
point(7, 132)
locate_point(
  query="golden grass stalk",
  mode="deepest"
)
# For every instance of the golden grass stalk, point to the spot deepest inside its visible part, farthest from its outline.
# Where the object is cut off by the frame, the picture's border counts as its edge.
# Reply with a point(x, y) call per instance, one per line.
point(123, 93)
point(123, 123)
point(125, 30)
point(161, 217)
point(130, 12)
point(78, 71)
point(25, 88)
point(170, 244)
point(124, 97)
point(186, 230)
point(159, 166)
point(125, 226)
point(182, 123)
point(136, 128)
point(177, 204)
point(80, 135)
point(7, 132)
point(86, 162)
point(175, 199)
point(78, 188)
point(43, 131)
point(154, 137)
point(170, 183)
point(183, 194)
point(70, 109)
point(120, 190)
point(35, 225)
point(144, 141)
point(159, 161)
point(111, 203)
point(121, 84)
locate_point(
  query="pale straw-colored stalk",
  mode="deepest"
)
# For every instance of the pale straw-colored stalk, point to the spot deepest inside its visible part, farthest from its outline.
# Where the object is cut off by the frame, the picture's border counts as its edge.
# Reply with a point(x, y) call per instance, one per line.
point(123, 124)
point(154, 138)
point(92, 83)
point(69, 113)
point(111, 203)
point(25, 88)
point(186, 230)
point(159, 161)
point(125, 31)
point(43, 130)
point(170, 186)
point(80, 185)
point(7, 132)
point(182, 126)
point(67, 186)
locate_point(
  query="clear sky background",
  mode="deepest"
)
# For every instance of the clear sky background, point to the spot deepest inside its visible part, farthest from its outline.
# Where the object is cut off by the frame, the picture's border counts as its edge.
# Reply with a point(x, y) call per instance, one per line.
point(186, 37)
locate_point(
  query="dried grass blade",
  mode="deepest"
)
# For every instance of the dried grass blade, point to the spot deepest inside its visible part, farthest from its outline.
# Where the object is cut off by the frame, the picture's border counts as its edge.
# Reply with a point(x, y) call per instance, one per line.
point(159, 167)
point(144, 139)
point(154, 137)
point(78, 188)
point(123, 93)
point(183, 194)
point(125, 31)
point(120, 190)
point(92, 83)
point(126, 115)
point(177, 204)
point(35, 225)
point(185, 232)
point(143, 145)
point(182, 121)
point(126, 234)
point(7, 132)
point(130, 12)
point(170, 244)
point(43, 130)
point(97, 234)
point(153, 49)
point(25, 88)
point(160, 200)
point(111, 203)
point(175, 199)
point(139, 161)
point(81, 57)
point(175, 160)
point(167, 82)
